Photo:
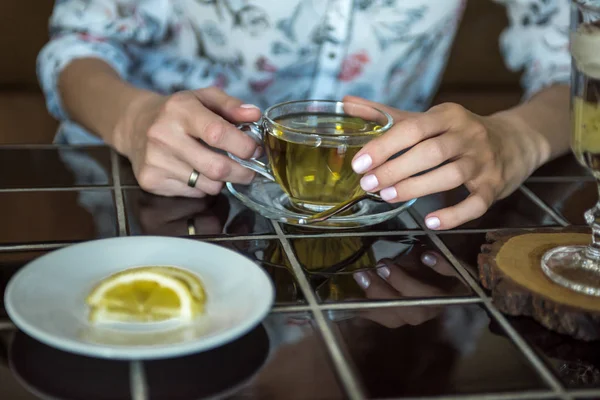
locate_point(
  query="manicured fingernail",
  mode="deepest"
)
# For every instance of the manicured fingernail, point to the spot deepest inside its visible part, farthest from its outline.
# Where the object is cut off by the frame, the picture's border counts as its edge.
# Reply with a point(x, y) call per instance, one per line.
point(248, 106)
point(257, 152)
point(388, 194)
point(429, 259)
point(432, 222)
point(369, 182)
point(362, 279)
point(362, 163)
point(383, 272)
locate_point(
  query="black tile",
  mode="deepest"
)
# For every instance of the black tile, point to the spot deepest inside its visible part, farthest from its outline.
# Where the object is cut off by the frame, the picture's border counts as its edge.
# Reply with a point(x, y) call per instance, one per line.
point(565, 166)
point(569, 199)
point(11, 387)
point(222, 215)
point(465, 247)
point(576, 363)
point(270, 255)
point(515, 211)
point(10, 263)
point(47, 216)
point(401, 222)
point(283, 355)
point(428, 351)
point(298, 367)
point(336, 265)
point(56, 167)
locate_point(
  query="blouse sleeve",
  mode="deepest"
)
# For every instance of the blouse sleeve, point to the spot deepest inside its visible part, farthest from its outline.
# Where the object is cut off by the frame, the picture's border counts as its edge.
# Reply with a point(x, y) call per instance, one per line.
point(99, 29)
point(537, 42)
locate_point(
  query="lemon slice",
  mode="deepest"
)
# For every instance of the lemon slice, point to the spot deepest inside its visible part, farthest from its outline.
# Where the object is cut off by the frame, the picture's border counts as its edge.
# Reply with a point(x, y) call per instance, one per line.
point(191, 280)
point(147, 294)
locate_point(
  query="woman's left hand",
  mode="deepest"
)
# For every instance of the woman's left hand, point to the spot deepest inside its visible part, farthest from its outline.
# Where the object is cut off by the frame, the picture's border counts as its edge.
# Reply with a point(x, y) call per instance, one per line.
point(448, 146)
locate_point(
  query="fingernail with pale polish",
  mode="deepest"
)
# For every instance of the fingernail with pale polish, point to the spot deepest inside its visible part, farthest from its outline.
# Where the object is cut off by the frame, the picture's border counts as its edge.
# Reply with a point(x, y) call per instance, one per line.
point(257, 152)
point(432, 222)
point(362, 163)
point(369, 182)
point(388, 194)
point(383, 272)
point(249, 106)
point(429, 259)
point(362, 279)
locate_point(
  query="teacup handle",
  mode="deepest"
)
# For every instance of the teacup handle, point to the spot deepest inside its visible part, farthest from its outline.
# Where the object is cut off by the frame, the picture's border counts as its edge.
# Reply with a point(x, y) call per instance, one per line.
point(255, 131)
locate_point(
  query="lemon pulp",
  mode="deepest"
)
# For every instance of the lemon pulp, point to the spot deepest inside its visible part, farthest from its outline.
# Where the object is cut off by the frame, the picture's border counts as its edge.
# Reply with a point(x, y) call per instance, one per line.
point(147, 294)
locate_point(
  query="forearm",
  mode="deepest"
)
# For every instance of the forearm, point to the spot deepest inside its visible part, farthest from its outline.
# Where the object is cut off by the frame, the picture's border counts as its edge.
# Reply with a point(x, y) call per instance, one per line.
point(545, 122)
point(95, 96)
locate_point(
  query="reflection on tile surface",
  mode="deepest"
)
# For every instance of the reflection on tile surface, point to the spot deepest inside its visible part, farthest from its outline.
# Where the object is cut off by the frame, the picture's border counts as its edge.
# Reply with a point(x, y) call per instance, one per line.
point(427, 351)
point(271, 256)
point(298, 368)
point(514, 211)
point(10, 263)
point(402, 222)
point(52, 373)
point(569, 199)
point(465, 247)
point(10, 386)
point(223, 215)
point(282, 358)
point(576, 363)
point(57, 167)
point(56, 216)
point(336, 265)
point(563, 166)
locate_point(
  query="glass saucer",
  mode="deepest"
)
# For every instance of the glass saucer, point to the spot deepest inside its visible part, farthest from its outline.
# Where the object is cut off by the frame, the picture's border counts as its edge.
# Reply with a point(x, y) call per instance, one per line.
point(268, 199)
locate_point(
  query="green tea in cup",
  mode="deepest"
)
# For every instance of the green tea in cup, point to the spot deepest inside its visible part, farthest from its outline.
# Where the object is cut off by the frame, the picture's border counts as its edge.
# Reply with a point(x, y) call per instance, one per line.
point(310, 146)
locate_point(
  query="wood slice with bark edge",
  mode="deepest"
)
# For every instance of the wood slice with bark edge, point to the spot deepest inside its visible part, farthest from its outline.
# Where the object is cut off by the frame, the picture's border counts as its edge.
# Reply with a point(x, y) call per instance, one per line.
point(509, 268)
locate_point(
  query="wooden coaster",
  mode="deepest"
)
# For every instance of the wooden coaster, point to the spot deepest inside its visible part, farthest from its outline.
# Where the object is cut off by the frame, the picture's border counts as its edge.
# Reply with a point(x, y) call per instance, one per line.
point(510, 268)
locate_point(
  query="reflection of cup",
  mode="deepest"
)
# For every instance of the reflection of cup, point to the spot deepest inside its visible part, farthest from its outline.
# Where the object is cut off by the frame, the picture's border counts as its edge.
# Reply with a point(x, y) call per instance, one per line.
point(310, 146)
point(329, 263)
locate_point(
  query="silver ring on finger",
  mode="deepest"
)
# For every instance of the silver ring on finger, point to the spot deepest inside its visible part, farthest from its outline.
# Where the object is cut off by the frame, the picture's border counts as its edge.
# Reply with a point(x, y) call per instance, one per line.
point(193, 178)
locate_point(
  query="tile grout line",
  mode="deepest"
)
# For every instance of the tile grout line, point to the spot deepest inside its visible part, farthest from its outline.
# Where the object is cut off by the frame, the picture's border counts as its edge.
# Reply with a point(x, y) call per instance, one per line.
point(119, 203)
point(585, 393)
point(559, 179)
point(416, 232)
point(532, 395)
point(234, 238)
point(7, 325)
point(540, 203)
point(33, 247)
point(50, 146)
point(57, 189)
point(137, 381)
point(516, 338)
point(137, 377)
point(351, 305)
point(348, 380)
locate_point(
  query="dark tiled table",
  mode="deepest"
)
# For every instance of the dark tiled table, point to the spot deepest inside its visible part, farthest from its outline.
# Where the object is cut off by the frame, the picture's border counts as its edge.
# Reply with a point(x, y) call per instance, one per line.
point(432, 332)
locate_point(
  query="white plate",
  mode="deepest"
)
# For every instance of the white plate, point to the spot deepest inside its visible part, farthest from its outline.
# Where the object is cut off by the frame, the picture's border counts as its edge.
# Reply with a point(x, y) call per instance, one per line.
point(46, 299)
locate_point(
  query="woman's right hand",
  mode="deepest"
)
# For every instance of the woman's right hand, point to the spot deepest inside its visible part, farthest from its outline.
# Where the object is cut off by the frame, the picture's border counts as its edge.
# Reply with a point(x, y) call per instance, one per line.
point(167, 137)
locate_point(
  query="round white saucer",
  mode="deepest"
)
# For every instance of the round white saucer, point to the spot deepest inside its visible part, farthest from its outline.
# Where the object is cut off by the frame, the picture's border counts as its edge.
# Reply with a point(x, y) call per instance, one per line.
point(268, 199)
point(46, 299)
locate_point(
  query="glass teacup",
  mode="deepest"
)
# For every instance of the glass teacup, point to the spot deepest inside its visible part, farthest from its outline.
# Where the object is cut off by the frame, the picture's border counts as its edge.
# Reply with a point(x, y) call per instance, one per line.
point(310, 145)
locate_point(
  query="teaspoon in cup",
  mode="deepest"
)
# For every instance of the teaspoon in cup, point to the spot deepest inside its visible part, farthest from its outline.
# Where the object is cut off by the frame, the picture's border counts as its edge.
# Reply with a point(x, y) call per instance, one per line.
point(324, 215)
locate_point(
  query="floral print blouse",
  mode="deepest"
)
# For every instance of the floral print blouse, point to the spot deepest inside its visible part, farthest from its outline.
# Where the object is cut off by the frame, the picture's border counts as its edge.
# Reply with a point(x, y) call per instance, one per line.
point(269, 51)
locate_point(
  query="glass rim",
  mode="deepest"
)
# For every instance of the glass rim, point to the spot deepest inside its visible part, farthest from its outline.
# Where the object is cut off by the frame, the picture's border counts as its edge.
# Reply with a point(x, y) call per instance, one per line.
point(383, 129)
point(586, 7)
